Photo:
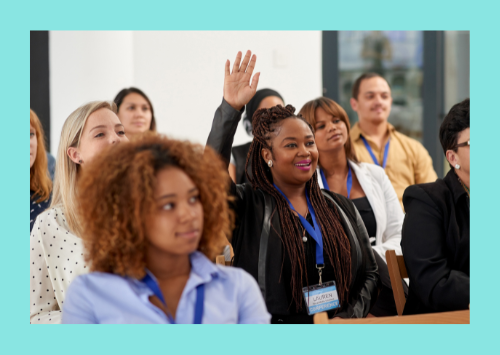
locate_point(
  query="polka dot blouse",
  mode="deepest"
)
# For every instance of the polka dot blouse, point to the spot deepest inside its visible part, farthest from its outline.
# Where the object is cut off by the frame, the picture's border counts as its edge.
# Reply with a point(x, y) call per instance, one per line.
point(56, 258)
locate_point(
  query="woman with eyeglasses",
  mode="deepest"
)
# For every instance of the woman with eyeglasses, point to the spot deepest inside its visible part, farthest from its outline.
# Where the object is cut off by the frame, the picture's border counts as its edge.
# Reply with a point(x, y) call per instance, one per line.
point(436, 230)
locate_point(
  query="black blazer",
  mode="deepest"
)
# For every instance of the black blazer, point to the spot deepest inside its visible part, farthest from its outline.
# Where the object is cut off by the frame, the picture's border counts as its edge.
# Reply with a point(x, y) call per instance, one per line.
point(256, 239)
point(240, 153)
point(435, 243)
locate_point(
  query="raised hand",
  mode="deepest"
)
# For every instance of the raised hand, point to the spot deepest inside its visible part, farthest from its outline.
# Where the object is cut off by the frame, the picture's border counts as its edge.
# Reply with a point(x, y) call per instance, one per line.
point(237, 88)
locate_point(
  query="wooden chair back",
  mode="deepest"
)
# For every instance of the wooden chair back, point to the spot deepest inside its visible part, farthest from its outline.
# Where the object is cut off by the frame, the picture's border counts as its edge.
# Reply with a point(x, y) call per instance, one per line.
point(397, 272)
point(455, 317)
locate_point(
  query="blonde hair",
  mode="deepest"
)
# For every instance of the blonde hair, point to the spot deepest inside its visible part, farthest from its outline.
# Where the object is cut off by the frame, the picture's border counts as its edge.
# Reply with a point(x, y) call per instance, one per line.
point(40, 181)
point(64, 194)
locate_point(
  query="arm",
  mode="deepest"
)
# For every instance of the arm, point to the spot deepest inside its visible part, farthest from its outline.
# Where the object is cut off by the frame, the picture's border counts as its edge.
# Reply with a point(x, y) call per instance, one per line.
point(424, 171)
point(77, 308)
point(361, 302)
point(252, 308)
point(391, 239)
point(44, 308)
point(424, 248)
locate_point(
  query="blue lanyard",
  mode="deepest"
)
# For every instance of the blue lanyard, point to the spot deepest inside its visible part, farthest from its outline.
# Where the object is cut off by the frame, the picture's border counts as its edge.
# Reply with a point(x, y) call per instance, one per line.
point(349, 181)
point(200, 296)
point(386, 152)
point(313, 232)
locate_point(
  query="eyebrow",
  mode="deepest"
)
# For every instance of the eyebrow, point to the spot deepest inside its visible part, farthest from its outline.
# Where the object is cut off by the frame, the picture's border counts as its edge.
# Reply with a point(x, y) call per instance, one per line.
point(194, 189)
point(374, 92)
point(103, 126)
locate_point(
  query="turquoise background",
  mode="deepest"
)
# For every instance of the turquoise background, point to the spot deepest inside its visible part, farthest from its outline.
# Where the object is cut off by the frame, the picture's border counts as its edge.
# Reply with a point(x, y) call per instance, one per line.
point(18, 18)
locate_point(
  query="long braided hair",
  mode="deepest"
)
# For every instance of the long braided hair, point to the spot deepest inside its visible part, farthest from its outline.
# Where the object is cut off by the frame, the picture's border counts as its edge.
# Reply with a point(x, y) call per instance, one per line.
point(335, 242)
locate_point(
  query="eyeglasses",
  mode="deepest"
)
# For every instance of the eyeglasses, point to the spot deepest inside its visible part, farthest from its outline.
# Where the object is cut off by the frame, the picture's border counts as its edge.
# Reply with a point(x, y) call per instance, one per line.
point(464, 144)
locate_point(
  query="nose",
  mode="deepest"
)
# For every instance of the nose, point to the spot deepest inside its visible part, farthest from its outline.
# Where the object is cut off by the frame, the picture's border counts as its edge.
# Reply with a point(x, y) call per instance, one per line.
point(186, 213)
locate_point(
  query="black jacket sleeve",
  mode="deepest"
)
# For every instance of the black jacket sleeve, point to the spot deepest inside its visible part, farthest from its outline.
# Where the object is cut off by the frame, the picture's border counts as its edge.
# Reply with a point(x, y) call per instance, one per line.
point(365, 294)
point(424, 248)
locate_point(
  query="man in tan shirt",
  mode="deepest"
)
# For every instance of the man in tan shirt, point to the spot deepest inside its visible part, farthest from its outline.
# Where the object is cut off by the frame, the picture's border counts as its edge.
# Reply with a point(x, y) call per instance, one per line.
point(405, 160)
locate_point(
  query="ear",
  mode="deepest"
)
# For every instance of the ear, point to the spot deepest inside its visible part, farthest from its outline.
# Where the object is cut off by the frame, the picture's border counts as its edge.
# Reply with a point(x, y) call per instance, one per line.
point(74, 155)
point(452, 158)
point(266, 155)
point(354, 104)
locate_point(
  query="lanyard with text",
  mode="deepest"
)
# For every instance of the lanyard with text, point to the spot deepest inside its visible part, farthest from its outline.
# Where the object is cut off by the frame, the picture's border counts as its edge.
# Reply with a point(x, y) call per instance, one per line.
point(313, 232)
point(386, 152)
point(200, 297)
point(349, 181)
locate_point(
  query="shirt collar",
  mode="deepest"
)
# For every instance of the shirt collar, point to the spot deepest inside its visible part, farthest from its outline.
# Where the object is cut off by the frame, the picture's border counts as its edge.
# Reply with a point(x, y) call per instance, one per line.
point(451, 179)
point(356, 130)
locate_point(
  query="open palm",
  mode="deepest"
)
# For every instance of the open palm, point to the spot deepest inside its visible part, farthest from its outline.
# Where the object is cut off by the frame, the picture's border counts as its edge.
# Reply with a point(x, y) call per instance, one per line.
point(237, 88)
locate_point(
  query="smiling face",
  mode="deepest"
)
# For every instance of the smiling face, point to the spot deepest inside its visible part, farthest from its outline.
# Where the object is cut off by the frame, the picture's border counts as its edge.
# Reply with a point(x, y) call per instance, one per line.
point(135, 114)
point(33, 145)
point(330, 131)
point(374, 100)
point(175, 225)
point(294, 153)
point(102, 129)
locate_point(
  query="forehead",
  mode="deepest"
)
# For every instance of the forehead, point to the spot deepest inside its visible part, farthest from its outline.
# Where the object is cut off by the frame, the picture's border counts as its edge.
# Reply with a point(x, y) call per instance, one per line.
point(464, 135)
point(172, 180)
point(376, 84)
point(270, 101)
point(293, 127)
point(103, 116)
point(135, 98)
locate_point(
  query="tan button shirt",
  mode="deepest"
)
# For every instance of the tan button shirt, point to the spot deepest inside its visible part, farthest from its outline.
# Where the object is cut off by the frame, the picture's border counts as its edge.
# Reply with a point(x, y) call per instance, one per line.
point(408, 162)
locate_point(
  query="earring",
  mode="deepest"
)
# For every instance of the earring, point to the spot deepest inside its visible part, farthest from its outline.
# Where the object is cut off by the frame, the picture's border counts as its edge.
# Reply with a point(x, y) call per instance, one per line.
point(457, 166)
point(270, 163)
point(80, 161)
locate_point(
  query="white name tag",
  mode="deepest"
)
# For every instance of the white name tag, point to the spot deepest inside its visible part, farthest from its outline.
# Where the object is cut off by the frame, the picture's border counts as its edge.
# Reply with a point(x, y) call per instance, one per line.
point(321, 298)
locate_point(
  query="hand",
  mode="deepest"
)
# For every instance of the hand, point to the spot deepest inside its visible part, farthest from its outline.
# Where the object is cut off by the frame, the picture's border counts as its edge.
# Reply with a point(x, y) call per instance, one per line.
point(237, 88)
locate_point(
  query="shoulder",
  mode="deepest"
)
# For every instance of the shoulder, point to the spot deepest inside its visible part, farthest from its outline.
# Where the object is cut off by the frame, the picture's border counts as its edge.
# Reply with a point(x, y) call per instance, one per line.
point(98, 281)
point(415, 146)
point(236, 277)
point(343, 202)
point(52, 219)
point(432, 193)
point(371, 169)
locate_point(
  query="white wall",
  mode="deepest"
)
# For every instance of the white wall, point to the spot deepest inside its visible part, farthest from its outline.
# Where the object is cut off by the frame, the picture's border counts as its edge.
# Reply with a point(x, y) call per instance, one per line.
point(181, 72)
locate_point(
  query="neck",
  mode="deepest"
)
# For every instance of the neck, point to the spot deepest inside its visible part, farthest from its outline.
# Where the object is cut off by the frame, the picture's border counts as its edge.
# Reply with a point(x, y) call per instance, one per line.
point(374, 130)
point(165, 265)
point(463, 177)
point(291, 191)
point(333, 162)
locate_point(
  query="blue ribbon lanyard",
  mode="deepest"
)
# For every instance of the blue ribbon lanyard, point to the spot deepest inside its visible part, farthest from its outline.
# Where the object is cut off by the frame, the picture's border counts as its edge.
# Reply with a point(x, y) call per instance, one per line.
point(313, 232)
point(386, 152)
point(349, 181)
point(200, 297)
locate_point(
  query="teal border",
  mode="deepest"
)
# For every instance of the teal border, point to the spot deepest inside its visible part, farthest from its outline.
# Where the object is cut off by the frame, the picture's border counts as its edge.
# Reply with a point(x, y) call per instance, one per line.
point(18, 18)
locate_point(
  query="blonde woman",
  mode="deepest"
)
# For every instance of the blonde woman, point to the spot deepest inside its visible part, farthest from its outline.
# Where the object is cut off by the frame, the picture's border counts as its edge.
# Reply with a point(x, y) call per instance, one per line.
point(40, 182)
point(56, 250)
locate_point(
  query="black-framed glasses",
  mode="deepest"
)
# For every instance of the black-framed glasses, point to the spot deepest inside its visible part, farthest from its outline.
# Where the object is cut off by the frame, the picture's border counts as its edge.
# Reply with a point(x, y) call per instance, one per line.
point(464, 144)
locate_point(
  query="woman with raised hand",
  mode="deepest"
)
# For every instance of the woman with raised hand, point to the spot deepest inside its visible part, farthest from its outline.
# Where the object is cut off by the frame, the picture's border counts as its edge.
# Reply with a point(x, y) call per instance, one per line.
point(307, 249)
point(366, 185)
point(135, 111)
point(436, 229)
point(155, 213)
point(40, 182)
point(56, 250)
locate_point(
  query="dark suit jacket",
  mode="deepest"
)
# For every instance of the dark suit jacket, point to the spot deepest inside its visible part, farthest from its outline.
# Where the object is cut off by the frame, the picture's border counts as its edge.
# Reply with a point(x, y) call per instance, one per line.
point(435, 243)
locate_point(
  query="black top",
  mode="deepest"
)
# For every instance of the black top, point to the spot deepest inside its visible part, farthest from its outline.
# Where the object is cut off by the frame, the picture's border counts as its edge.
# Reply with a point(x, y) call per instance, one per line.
point(37, 207)
point(256, 223)
point(435, 242)
point(366, 212)
point(240, 153)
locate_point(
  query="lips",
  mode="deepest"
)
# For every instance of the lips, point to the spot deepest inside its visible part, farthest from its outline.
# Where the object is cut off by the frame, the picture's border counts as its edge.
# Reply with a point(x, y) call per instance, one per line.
point(335, 137)
point(304, 165)
point(192, 234)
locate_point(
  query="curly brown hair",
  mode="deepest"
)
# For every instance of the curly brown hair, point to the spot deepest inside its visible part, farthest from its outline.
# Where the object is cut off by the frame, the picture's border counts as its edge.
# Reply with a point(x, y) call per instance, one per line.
point(116, 194)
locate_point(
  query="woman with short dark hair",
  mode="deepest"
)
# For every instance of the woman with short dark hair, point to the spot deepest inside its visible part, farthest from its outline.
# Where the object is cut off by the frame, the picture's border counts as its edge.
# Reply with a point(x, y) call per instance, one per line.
point(436, 230)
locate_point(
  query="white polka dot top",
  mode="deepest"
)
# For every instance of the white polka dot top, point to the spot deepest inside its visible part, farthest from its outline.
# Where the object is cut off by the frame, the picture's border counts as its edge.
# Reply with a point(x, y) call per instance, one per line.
point(56, 258)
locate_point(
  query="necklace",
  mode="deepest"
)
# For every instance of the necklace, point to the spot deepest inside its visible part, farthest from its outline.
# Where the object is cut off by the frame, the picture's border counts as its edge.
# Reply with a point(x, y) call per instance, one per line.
point(465, 188)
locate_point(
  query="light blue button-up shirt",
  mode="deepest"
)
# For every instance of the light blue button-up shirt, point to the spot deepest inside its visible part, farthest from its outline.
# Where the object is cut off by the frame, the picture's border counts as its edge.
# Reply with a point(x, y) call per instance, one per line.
point(232, 296)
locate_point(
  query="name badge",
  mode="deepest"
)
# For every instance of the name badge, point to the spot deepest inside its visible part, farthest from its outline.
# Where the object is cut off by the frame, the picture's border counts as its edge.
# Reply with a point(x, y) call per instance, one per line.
point(321, 298)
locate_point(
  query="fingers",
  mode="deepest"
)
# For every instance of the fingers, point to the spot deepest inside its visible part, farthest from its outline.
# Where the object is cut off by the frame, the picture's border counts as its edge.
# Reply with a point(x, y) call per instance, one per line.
point(226, 71)
point(255, 81)
point(245, 61)
point(236, 65)
point(251, 66)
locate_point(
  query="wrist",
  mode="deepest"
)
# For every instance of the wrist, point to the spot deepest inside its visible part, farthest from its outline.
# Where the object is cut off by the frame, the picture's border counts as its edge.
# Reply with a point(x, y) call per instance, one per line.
point(235, 106)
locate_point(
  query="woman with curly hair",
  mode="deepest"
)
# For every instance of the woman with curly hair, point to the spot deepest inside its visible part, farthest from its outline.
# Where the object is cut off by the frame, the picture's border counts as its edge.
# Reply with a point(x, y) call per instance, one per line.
point(154, 213)
point(56, 252)
point(40, 182)
point(308, 249)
